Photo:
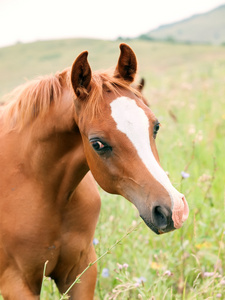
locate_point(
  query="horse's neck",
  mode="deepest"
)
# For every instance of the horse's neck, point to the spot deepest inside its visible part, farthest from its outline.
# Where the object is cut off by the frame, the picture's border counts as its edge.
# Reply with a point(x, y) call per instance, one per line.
point(53, 151)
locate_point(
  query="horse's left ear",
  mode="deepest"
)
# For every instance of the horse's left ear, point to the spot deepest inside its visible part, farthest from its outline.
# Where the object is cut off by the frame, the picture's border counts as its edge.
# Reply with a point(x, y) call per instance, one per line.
point(127, 64)
point(81, 76)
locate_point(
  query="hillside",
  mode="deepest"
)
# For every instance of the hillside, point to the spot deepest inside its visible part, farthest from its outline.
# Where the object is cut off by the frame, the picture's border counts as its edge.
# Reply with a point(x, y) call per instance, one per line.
point(22, 62)
point(203, 28)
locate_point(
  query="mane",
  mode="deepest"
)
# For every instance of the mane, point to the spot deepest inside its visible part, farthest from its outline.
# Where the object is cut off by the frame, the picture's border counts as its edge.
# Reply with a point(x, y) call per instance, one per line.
point(101, 82)
point(30, 100)
point(34, 98)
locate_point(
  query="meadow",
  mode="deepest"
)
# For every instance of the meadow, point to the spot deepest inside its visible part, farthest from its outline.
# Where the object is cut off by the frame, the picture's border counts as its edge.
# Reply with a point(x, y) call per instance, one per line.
point(185, 88)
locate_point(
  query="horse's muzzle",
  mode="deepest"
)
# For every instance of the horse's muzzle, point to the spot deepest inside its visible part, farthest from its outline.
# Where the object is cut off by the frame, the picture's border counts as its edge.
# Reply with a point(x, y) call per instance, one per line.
point(161, 220)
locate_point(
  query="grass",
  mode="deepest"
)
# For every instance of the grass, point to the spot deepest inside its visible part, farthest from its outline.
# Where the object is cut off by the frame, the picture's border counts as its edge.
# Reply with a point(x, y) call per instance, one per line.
point(185, 85)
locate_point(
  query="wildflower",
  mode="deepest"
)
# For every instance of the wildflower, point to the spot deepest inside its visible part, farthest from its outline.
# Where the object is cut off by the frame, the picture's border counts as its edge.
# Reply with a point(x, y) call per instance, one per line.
point(124, 266)
point(168, 273)
point(141, 279)
point(222, 282)
point(208, 274)
point(185, 175)
point(105, 273)
point(219, 295)
point(156, 266)
point(137, 284)
point(95, 241)
point(205, 244)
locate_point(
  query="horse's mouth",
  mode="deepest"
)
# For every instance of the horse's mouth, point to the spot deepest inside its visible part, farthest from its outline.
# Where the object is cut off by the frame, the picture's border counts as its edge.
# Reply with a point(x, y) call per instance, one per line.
point(156, 229)
point(152, 226)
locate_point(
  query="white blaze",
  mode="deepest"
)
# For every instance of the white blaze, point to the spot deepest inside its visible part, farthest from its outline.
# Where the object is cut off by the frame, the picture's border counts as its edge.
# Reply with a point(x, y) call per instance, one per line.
point(132, 120)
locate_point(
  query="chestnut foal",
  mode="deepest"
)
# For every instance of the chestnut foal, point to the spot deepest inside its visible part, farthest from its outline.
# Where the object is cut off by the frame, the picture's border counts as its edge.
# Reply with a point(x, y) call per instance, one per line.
point(52, 133)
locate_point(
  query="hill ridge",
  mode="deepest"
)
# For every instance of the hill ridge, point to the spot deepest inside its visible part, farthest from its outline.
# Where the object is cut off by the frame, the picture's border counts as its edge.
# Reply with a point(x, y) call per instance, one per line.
point(208, 27)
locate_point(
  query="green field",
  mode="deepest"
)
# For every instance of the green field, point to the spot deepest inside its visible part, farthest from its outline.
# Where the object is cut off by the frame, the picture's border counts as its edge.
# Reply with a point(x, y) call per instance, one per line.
point(185, 87)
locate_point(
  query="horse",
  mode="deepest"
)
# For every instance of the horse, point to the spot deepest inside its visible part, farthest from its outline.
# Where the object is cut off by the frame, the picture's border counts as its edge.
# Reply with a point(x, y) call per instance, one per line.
point(140, 87)
point(59, 135)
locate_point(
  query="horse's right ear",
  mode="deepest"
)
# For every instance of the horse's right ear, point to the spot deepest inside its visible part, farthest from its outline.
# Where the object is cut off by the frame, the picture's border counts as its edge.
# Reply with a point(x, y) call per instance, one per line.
point(81, 76)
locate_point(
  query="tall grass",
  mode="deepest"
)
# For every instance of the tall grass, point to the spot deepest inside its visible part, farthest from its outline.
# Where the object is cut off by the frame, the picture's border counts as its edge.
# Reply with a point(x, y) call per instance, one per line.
point(185, 88)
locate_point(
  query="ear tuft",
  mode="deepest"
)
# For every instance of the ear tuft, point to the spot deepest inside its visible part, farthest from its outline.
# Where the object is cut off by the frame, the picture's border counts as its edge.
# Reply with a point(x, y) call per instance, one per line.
point(81, 76)
point(127, 64)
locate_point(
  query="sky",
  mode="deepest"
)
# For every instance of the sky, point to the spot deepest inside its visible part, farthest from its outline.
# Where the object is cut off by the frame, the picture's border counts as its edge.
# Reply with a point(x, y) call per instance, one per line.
point(29, 20)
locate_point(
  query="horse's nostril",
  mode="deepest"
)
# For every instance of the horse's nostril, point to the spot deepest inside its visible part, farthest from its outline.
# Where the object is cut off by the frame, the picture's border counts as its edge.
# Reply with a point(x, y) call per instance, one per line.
point(160, 220)
point(160, 217)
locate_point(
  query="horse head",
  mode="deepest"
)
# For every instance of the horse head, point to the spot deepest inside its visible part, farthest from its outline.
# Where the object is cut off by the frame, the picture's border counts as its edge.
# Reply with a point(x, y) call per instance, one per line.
point(118, 132)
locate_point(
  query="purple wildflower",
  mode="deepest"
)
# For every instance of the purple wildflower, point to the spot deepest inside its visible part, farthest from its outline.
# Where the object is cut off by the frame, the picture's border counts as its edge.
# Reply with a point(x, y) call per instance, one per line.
point(185, 175)
point(208, 274)
point(125, 266)
point(168, 273)
point(222, 282)
point(95, 241)
point(137, 284)
point(105, 273)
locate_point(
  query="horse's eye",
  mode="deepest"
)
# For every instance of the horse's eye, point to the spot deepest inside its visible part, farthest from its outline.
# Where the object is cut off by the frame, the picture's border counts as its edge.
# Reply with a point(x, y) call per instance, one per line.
point(156, 129)
point(97, 145)
point(100, 147)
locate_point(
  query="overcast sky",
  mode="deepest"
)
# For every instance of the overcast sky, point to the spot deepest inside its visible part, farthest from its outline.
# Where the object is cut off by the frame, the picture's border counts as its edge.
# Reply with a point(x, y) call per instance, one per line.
point(29, 20)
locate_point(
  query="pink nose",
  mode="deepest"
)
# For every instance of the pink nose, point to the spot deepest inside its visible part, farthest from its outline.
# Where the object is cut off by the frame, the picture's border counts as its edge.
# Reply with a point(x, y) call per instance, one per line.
point(180, 211)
